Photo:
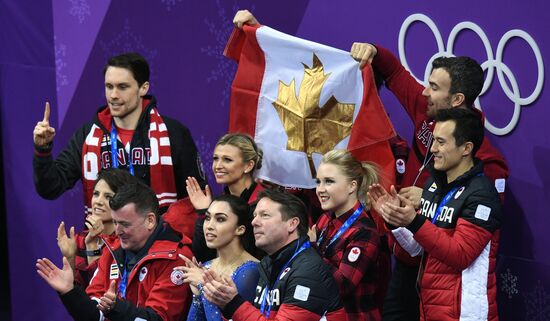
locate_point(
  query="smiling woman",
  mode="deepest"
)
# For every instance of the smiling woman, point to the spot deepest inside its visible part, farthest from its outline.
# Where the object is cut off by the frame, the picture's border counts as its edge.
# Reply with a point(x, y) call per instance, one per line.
point(84, 248)
point(346, 235)
point(236, 158)
point(227, 229)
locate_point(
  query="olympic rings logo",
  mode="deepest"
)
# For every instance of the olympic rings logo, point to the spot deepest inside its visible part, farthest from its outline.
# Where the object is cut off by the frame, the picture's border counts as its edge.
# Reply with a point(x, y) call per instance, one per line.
point(490, 65)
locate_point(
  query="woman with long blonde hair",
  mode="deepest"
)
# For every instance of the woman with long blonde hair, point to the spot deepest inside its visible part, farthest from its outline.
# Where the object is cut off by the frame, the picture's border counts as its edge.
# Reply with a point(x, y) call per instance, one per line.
point(346, 235)
point(236, 158)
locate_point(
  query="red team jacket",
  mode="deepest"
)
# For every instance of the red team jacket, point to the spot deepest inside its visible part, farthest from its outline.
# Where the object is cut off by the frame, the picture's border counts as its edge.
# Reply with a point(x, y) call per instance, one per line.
point(152, 282)
point(409, 93)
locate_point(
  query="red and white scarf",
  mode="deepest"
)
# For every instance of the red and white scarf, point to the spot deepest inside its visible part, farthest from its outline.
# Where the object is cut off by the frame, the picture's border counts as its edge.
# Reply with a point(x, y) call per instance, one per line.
point(161, 170)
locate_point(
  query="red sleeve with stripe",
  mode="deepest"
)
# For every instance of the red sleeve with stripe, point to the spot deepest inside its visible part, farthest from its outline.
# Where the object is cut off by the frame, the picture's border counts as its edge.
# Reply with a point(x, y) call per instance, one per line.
point(458, 250)
point(247, 312)
point(401, 83)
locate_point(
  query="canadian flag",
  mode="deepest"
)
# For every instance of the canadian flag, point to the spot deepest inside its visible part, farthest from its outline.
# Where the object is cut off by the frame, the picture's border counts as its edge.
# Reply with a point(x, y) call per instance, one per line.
point(301, 99)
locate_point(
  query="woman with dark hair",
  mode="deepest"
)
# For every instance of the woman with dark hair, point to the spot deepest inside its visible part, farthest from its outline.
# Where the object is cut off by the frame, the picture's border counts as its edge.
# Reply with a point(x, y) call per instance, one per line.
point(228, 231)
point(84, 248)
point(236, 157)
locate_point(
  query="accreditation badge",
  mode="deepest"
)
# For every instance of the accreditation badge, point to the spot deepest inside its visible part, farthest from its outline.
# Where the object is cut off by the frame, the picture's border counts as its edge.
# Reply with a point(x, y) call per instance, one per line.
point(113, 274)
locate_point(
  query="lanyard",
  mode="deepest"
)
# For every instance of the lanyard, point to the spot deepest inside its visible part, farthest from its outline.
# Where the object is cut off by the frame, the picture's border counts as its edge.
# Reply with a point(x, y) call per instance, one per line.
point(114, 153)
point(265, 301)
point(343, 228)
point(443, 202)
point(124, 279)
point(427, 159)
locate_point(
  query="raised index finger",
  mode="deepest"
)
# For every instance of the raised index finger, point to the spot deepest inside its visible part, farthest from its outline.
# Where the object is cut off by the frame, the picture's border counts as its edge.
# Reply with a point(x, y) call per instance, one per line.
point(188, 262)
point(61, 230)
point(47, 113)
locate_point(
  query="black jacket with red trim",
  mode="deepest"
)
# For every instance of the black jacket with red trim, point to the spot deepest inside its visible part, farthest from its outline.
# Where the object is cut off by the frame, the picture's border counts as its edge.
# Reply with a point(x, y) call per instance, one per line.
point(409, 93)
point(305, 291)
point(459, 281)
point(52, 177)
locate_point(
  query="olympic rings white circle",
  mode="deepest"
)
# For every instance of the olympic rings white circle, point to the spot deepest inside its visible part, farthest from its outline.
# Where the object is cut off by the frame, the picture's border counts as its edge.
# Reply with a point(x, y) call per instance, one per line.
point(486, 44)
point(491, 64)
point(540, 66)
point(501, 131)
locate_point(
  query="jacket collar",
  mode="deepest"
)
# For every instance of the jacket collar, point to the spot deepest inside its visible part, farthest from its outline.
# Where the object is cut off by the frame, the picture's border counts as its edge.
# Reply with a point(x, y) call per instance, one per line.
point(272, 264)
point(163, 232)
point(440, 177)
point(246, 193)
point(104, 118)
point(342, 218)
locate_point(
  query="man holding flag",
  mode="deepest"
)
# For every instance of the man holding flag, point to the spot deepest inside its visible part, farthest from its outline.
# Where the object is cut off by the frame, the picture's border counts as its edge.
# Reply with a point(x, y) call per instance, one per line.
point(455, 82)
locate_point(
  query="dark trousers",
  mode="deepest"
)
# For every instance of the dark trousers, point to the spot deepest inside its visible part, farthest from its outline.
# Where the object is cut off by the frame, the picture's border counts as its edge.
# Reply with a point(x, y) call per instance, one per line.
point(402, 302)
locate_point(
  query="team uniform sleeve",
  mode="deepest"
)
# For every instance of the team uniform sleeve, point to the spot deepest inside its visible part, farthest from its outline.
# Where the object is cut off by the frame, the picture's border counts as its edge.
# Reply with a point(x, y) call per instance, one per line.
point(494, 166)
point(83, 270)
point(287, 312)
point(305, 299)
point(166, 301)
point(401, 83)
point(480, 217)
point(52, 177)
point(358, 256)
point(80, 306)
point(100, 280)
point(406, 240)
point(123, 310)
point(187, 162)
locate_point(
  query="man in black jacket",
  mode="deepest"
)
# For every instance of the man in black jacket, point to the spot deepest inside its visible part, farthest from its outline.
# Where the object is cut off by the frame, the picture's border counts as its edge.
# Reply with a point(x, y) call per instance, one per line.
point(457, 228)
point(158, 150)
point(294, 282)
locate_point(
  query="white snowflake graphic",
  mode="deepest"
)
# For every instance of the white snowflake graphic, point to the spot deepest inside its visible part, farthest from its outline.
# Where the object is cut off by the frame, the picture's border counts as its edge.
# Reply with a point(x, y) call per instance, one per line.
point(221, 28)
point(537, 304)
point(80, 9)
point(206, 150)
point(170, 3)
point(60, 64)
point(509, 283)
point(127, 41)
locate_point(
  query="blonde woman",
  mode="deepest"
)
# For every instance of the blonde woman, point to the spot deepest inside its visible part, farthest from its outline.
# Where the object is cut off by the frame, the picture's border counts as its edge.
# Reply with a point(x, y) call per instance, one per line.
point(346, 236)
point(236, 157)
